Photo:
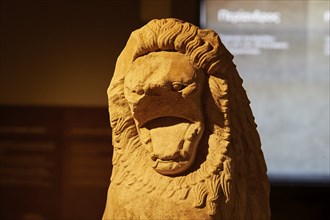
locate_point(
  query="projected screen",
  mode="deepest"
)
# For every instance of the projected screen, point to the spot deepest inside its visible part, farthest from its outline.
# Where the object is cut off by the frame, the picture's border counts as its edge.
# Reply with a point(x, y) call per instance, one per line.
point(281, 50)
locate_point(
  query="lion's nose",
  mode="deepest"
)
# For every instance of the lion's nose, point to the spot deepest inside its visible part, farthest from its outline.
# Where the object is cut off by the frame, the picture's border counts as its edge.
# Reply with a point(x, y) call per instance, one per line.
point(148, 90)
point(139, 91)
point(154, 89)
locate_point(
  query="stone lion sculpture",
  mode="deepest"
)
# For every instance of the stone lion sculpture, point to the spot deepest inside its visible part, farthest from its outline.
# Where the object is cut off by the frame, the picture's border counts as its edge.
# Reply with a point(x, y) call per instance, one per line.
point(184, 137)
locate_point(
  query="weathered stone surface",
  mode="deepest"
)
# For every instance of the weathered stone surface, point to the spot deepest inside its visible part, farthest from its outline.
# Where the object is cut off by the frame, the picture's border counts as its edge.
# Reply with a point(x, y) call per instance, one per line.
point(185, 141)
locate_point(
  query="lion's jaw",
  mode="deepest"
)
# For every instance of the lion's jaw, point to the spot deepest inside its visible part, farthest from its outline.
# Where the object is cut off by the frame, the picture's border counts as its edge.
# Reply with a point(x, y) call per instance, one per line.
point(172, 143)
point(172, 132)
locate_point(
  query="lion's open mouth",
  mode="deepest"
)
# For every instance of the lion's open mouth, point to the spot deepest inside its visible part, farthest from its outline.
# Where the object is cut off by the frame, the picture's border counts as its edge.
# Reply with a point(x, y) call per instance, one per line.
point(171, 143)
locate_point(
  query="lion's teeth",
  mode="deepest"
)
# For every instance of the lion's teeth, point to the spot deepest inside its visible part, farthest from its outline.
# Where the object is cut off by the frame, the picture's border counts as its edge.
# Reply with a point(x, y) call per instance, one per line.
point(148, 147)
point(146, 139)
point(184, 153)
point(145, 135)
point(191, 132)
point(185, 148)
point(154, 163)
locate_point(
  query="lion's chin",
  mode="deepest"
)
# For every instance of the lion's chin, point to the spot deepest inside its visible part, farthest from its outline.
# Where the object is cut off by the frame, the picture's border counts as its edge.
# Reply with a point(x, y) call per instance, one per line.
point(172, 143)
point(170, 167)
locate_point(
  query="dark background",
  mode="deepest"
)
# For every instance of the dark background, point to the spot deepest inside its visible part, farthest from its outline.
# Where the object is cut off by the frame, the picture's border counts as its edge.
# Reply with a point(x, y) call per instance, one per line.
point(57, 59)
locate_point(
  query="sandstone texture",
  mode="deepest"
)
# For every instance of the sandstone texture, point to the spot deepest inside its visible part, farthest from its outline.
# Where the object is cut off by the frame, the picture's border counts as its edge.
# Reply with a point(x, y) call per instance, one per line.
point(185, 141)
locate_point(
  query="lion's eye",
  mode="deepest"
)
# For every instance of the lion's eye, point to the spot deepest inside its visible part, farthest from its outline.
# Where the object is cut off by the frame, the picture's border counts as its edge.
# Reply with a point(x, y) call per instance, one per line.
point(178, 86)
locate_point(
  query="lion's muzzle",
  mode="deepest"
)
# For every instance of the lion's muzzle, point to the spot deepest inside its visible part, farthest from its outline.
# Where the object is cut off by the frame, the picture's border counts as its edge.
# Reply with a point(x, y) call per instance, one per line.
point(165, 102)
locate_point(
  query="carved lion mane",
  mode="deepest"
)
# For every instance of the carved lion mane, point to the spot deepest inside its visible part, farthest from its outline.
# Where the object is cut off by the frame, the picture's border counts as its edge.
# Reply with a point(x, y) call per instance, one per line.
point(228, 176)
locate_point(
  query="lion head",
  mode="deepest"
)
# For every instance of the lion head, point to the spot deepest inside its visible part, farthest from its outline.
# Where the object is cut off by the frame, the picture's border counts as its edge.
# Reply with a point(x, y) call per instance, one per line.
point(163, 91)
point(180, 116)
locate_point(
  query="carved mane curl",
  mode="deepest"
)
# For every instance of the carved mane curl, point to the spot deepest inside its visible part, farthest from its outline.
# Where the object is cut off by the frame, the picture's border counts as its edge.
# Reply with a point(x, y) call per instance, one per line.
point(233, 174)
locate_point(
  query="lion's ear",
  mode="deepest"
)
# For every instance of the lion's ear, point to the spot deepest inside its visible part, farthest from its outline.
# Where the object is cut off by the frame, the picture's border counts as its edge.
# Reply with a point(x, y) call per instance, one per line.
point(215, 102)
point(124, 60)
point(117, 104)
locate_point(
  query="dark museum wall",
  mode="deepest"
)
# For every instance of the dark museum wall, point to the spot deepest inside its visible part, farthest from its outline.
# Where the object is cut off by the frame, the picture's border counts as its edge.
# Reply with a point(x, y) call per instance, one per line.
point(64, 52)
point(57, 59)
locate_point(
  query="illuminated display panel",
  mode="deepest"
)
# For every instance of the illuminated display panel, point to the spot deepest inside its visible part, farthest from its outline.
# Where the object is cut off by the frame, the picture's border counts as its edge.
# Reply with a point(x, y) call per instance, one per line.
point(281, 50)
